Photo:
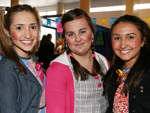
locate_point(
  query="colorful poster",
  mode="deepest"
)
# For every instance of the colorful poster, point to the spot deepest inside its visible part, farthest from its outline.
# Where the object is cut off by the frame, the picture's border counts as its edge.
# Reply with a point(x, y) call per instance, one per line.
point(104, 21)
point(112, 20)
point(102, 41)
point(147, 20)
point(94, 20)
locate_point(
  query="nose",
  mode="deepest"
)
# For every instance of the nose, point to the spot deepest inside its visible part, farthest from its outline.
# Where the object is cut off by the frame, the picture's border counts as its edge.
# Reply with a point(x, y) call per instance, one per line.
point(77, 38)
point(123, 44)
point(27, 33)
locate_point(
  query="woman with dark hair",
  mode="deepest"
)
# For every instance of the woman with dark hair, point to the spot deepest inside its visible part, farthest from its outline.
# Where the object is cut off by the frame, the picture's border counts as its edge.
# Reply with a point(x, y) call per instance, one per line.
point(74, 79)
point(127, 83)
point(22, 81)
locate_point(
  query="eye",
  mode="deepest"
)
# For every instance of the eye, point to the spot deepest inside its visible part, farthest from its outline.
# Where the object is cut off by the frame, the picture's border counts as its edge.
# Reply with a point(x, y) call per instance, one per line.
point(130, 37)
point(19, 28)
point(83, 32)
point(70, 34)
point(116, 38)
point(33, 27)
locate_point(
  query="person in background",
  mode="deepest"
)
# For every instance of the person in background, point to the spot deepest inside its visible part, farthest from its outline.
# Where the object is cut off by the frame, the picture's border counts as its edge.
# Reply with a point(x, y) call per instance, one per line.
point(46, 50)
point(59, 46)
point(51, 43)
point(127, 82)
point(22, 80)
point(74, 79)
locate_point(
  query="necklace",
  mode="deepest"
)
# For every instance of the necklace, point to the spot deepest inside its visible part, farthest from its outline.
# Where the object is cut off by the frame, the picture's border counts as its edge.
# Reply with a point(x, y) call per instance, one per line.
point(26, 58)
point(126, 70)
point(122, 74)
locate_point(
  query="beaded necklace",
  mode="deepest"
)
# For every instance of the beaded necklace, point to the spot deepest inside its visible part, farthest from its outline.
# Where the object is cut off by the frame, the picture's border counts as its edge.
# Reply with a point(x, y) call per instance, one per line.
point(26, 58)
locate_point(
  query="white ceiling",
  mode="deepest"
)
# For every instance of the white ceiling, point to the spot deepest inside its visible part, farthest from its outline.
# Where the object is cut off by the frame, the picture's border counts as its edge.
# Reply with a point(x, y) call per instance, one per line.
point(37, 3)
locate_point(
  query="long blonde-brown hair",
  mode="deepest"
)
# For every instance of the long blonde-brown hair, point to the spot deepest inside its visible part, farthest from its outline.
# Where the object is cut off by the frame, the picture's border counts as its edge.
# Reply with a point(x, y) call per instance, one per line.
point(6, 41)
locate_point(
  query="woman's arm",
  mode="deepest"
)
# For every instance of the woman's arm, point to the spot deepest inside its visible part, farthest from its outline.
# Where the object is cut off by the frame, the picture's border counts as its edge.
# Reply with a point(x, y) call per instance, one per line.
point(56, 85)
point(8, 90)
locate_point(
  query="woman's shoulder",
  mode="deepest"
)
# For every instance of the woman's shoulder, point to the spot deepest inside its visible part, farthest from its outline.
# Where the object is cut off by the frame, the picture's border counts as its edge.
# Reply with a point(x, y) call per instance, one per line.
point(59, 70)
point(63, 59)
point(100, 55)
point(58, 66)
point(146, 78)
point(7, 68)
point(7, 62)
point(103, 59)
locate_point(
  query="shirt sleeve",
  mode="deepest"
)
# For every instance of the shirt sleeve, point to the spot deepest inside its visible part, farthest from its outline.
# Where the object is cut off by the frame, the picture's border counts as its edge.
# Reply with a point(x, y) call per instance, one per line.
point(56, 86)
point(8, 90)
point(107, 63)
point(104, 59)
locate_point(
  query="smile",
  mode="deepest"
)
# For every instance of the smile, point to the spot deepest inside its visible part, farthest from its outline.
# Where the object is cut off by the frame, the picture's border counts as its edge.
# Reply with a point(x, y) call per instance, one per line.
point(79, 44)
point(125, 52)
point(27, 42)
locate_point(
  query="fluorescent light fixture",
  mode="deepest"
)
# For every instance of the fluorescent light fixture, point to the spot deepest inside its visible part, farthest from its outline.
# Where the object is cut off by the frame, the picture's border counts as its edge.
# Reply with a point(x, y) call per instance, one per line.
point(108, 8)
point(51, 13)
point(21, 3)
point(142, 6)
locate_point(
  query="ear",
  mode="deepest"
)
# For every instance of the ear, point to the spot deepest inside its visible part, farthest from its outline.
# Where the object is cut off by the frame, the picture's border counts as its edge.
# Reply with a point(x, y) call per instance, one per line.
point(143, 41)
point(7, 32)
point(92, 35)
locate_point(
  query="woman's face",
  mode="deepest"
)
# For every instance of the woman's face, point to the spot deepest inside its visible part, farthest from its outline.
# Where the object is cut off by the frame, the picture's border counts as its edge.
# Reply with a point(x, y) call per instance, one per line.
point(78, 36)
point(126, 42)
point(24, 32)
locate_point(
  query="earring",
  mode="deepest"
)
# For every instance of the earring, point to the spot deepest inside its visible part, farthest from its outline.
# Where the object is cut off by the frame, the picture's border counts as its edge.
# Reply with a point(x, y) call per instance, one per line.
point(92, 40)
point(92, 47)
point(67, 48)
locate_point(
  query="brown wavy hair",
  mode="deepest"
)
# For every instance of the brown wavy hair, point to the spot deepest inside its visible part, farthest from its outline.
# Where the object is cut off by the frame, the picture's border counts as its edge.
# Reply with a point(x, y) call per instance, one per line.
point(78, 69)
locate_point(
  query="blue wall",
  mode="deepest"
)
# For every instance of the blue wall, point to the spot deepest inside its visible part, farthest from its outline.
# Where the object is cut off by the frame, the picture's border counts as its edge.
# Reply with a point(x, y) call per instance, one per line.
point(103, 41)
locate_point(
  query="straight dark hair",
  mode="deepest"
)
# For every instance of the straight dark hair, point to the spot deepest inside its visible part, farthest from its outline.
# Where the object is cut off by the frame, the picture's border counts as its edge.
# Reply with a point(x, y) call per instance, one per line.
point(78, 69)
point(141, 65)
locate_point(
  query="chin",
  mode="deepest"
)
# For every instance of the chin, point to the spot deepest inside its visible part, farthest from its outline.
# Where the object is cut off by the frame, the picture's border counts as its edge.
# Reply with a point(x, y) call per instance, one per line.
point(27, 50)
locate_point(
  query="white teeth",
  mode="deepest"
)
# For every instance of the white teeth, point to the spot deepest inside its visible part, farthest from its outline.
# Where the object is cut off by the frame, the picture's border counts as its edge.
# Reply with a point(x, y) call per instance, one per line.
point(26, 41)
point(125, 51)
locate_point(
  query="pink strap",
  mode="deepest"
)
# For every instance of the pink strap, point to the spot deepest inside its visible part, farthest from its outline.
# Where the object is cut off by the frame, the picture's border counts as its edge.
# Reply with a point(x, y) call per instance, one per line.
point(39, 70)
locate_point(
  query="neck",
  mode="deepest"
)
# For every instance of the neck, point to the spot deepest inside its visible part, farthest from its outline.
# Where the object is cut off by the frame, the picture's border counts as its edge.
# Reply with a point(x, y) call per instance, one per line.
point(126, 65)
point(26, 57)
point(85, 61)
point(21, 53)
point(83, 58)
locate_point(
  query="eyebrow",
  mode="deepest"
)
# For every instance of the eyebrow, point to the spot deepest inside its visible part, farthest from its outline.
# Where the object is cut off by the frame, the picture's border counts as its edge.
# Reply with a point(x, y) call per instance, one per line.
point(69, 32)
point(82, 29)
point(23, 24)
point(79, 30)
point(115, 34)
point(131, 34)
point(127, 34)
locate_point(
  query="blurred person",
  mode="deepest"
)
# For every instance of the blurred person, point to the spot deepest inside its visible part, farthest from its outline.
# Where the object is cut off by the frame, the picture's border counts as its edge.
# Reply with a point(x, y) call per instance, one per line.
point(59, 49)
point(46, 50)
